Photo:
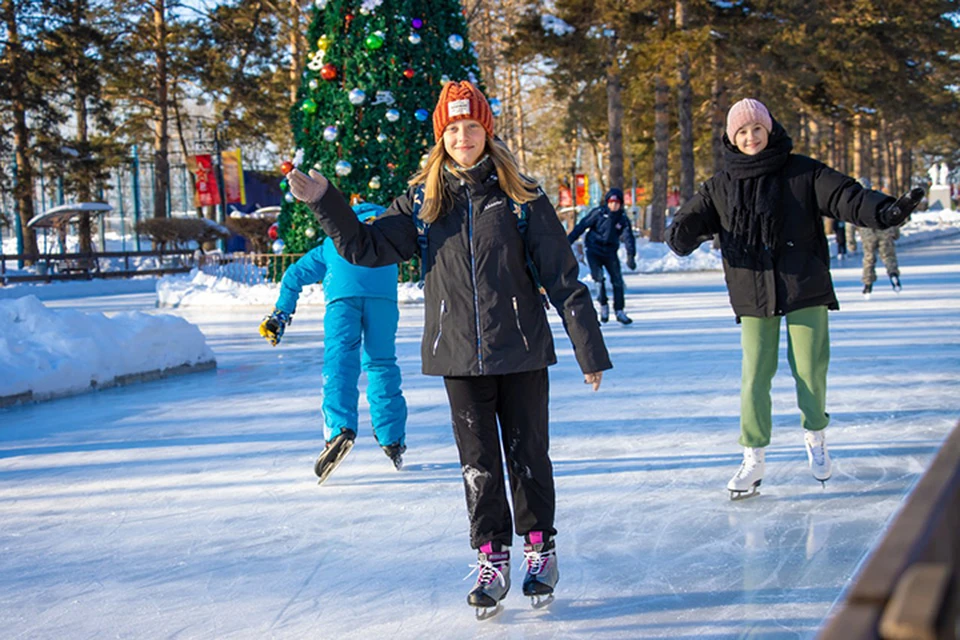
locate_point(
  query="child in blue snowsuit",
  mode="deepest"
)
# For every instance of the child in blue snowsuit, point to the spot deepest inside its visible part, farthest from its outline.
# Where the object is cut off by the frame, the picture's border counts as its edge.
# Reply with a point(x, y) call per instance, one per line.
point(360, 328)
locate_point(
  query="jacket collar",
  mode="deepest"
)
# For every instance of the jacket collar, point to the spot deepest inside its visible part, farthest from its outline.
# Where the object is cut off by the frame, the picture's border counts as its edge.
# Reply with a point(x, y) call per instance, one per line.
point(479, 178)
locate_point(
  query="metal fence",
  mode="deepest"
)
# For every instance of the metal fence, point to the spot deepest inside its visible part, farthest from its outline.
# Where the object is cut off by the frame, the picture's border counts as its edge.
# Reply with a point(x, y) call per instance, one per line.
point(129, 189)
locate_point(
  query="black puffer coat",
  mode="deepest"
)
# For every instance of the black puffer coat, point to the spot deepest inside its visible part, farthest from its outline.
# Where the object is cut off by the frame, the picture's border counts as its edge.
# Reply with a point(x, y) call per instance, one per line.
point(483, 314)
point(606, 229)
point(795, 274)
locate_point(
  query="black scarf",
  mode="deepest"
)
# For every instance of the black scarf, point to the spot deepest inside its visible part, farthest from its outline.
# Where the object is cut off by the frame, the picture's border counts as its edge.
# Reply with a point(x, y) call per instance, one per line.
point(756, 192)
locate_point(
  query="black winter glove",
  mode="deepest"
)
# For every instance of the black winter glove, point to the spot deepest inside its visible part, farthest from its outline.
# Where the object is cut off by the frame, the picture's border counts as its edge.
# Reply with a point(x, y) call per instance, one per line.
point(632, 263)
point(897, 213)
point(273, 326)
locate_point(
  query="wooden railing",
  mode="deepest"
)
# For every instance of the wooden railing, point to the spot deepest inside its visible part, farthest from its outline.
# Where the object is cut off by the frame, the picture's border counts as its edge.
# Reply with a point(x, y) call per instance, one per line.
point(910, 587)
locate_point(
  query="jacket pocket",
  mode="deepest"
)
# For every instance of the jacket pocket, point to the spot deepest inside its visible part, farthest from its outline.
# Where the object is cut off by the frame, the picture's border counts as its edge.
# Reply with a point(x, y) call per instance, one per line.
point(443, 311)
point(516, 315)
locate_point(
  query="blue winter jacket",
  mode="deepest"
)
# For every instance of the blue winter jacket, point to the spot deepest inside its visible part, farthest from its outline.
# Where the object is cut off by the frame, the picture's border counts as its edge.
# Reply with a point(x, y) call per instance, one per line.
point(340, 278)
point(606, 230)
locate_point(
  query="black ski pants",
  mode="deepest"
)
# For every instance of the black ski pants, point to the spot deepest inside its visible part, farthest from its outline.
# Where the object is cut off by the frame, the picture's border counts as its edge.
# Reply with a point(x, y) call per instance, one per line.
point(597, 263)
point(519, 401)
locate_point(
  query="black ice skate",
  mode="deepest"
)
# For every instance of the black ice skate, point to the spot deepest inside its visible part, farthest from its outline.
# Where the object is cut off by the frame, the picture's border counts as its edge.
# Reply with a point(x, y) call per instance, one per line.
point(895, 282)
point(622, 317)
point(493, 583)
point(867, 290)
point(540, 554)
point(395, 453)
point(333, 454)
point(604, 313)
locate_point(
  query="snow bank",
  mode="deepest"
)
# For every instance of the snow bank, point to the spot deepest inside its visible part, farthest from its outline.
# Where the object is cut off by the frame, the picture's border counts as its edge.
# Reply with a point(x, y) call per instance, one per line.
point(47, 353)
point(198, 289)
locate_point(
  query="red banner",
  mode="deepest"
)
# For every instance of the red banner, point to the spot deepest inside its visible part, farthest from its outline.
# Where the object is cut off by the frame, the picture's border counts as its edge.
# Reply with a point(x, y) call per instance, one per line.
point(207, 193)
point(565, 199)
point(583, 189)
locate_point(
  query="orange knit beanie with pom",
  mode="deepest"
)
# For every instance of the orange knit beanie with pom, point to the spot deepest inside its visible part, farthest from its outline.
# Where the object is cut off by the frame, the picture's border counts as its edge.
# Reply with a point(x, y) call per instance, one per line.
point(461, 101)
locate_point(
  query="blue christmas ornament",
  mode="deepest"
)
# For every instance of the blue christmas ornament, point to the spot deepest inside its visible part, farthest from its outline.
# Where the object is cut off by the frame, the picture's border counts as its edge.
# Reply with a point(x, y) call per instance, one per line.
point(496, 107)
point(331, 133)
point(343, 168)
point(421, 115)
point(393, 115)
point(357, 96)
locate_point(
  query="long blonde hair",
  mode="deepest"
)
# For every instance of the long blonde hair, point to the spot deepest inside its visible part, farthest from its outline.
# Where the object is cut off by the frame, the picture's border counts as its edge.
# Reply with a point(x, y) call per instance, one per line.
point(518, 188)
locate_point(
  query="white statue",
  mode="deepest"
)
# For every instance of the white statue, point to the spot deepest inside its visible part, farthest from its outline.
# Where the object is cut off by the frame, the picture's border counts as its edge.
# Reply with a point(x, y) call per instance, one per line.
point(944, 174)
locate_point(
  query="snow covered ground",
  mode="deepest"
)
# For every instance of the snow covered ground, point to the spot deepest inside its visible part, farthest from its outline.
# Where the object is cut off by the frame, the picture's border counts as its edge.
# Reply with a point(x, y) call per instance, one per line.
point(187, 507)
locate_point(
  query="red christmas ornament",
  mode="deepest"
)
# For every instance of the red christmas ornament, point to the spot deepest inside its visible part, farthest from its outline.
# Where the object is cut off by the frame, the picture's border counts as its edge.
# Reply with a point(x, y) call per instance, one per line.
point(348, 19)
point(274, 231)
point(328, 71)
point(286, 167)
point(391, 166)
point(408, 73)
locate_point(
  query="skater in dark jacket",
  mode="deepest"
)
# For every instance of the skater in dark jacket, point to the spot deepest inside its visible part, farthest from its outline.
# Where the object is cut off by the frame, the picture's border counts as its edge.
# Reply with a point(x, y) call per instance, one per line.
point(607, 226)
point(485, 329)
point(767, 206)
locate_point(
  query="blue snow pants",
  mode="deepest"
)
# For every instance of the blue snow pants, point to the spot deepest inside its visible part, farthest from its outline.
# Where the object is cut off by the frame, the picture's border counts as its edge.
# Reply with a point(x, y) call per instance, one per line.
point(362, 332)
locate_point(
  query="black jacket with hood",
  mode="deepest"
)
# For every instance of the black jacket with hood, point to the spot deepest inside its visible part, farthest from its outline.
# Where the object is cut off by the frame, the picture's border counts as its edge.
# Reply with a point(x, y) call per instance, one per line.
point(483, 314)
point(606, 229)
point(793, 273)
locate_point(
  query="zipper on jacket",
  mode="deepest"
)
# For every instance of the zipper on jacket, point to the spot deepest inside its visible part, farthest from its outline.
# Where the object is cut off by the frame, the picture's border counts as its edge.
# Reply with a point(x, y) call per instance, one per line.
point(473, 273)
point(443, 310)
point(516, 314)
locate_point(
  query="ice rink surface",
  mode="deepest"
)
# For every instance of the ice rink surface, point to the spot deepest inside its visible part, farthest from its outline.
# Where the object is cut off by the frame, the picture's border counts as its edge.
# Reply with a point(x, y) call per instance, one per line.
point(187, 507)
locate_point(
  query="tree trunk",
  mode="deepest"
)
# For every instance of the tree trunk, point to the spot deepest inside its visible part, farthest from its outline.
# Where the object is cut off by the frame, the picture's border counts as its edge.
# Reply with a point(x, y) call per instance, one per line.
point(615, 117)
point(295, 54)
point(161, 137)
point(858, 164)
point(23, 192)
point(661, 149)
point(718, 105)
point(684, 111)
point(520, 150)
point(80, 113)
point(877, 164)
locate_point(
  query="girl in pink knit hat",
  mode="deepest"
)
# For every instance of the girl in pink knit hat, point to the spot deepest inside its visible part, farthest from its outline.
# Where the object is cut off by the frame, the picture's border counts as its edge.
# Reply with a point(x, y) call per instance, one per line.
point(766, 205)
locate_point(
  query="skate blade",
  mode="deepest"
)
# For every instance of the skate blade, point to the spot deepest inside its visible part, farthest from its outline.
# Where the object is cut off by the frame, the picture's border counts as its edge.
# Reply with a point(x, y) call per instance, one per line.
point(541, 602)
point(345, 448)
point(486, 613)
point(743, 495)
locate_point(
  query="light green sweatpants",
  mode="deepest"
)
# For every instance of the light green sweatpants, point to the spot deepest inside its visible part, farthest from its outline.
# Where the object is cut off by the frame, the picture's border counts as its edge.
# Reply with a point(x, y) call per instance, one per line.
point(808, 351)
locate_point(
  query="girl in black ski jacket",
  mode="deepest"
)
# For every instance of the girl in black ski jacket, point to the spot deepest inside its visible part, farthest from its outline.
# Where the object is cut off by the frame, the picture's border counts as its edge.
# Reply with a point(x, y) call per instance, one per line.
point(485, 329)
point(767, 206)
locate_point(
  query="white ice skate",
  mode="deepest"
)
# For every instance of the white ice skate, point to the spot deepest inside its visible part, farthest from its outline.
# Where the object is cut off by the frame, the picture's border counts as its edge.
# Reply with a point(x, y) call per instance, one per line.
point(817, 455)
point(746, 480)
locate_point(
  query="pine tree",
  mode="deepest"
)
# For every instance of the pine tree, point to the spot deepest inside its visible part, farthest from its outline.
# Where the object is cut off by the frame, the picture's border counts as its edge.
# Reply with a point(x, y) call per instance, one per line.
point(364, 114)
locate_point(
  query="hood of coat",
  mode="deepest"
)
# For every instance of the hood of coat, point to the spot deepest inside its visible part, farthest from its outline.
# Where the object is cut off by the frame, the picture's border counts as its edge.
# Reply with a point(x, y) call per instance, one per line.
point(615, 194)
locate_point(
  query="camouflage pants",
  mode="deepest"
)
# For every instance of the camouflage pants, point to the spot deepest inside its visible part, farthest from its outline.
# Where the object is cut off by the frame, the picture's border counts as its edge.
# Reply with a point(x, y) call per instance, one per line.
point(873, 241)
point(851, 238)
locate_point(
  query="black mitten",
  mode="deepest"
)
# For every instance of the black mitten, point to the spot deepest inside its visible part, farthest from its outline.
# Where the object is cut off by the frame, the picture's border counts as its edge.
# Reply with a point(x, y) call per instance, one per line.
point(897, 213)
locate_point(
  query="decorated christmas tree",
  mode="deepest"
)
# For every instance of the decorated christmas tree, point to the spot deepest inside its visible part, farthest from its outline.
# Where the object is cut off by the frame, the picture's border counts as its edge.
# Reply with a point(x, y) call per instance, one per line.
point(364, 114)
